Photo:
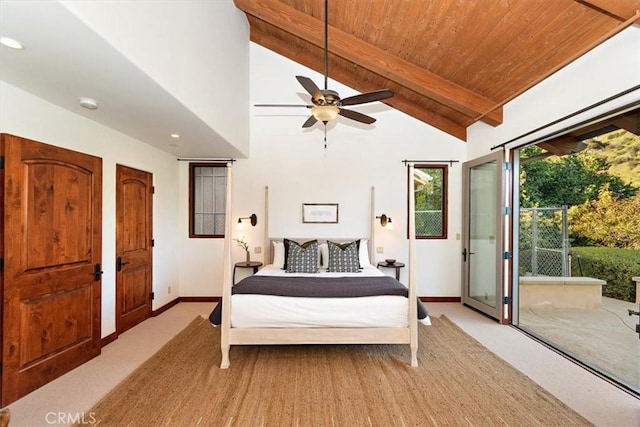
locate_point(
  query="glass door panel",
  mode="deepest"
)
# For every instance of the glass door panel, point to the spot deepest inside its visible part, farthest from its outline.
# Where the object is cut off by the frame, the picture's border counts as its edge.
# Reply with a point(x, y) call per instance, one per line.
point(482, 260)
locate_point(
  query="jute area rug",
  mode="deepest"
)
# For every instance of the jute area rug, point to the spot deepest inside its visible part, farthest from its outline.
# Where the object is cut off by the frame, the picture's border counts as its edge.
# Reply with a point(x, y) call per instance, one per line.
point(458, 383)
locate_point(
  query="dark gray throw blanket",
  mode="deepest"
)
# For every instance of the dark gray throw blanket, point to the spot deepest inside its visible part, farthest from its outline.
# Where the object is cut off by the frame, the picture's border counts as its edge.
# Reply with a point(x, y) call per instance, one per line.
point(318, 287)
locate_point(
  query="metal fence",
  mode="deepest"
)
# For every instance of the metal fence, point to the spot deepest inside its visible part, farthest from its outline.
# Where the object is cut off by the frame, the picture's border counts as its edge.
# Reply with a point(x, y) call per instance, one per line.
point(429, 223)
point(544, 242)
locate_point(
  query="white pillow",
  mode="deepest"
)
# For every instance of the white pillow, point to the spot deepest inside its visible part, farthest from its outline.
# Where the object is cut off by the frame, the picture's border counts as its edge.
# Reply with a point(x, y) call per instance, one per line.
point(278, 254)
point(363, 254)
point(323, 259)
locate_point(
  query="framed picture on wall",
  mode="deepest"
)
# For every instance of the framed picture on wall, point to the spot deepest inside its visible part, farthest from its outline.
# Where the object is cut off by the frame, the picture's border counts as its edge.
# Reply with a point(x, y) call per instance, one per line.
point(320, 213)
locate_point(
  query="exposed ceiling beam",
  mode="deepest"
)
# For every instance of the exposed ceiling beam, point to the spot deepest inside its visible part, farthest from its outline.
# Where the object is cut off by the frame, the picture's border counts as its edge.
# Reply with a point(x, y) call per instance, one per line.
point(630, 123)
point(435, 120)
point(619, 9)
point(563, 145)
point(399, 103)
point(374, 59)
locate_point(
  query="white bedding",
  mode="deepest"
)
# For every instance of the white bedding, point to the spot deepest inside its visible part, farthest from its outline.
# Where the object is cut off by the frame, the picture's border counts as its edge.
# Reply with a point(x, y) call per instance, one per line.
point(266, 311)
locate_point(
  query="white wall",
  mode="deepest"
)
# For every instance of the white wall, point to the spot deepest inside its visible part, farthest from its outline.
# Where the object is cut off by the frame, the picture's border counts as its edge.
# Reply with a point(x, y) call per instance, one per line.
point(610, 68)
point(200, 260)
point(295, 165)
point(30, 117)
point(178, 44)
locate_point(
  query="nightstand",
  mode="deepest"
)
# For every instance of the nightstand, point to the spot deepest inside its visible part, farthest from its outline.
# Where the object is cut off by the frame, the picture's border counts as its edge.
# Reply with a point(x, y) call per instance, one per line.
point(396, 265)
point(244, 264)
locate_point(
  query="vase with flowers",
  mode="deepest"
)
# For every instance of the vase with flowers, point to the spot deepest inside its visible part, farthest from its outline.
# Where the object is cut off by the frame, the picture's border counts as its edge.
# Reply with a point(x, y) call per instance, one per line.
point(244, 245)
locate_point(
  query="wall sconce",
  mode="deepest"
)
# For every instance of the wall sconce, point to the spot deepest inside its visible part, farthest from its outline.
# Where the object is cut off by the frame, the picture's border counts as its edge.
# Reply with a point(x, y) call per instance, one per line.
point(385, 221)
point(253, 218)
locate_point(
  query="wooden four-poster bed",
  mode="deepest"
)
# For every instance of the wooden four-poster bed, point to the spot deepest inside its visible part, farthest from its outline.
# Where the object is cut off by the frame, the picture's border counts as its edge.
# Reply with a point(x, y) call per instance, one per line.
point(250, 310)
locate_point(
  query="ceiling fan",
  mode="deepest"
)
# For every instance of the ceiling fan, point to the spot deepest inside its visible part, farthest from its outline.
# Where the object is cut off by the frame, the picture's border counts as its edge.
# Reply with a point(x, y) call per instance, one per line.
point(326, 104)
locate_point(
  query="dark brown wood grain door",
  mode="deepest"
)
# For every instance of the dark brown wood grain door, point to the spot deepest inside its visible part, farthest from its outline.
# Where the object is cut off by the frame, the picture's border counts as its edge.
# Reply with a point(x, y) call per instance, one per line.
point(134, 200)
point(52, 249)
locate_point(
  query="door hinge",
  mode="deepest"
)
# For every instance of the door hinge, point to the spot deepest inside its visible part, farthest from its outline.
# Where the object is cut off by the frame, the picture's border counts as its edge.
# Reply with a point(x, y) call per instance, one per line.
point(507, 166)
point(153, 295)
point(153, 189)
point(1, 163)
point(153, 242)
point(1, 264)
point(507, 255)
point(507, 210)
point(507, 300)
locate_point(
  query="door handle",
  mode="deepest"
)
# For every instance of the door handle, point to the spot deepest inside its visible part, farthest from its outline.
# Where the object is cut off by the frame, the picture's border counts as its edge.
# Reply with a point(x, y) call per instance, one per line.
point(97, 272)
point(465, 253)
point(119, 263)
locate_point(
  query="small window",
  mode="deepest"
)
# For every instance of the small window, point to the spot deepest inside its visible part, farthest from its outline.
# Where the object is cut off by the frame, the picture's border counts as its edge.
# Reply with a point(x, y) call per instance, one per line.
point(207, 199)
point(430, 192)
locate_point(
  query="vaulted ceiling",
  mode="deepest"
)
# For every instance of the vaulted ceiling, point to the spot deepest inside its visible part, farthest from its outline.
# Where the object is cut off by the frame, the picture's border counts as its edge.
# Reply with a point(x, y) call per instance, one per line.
point(450, 63)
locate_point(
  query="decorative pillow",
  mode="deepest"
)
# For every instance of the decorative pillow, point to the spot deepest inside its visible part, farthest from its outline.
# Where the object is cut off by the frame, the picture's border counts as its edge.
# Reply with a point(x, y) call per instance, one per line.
point(343, 257)
point(278, 254)
point(303, 258)
point(286, 243)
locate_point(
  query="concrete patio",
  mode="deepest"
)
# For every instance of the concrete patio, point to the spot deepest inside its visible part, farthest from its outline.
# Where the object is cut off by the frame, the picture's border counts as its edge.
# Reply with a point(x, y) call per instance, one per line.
point(604, 337)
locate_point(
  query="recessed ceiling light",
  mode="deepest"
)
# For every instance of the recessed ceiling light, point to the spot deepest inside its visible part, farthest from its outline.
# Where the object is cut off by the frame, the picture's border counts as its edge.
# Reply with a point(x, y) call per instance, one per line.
point(175, 135)
point(88, 103)
point(11, 43)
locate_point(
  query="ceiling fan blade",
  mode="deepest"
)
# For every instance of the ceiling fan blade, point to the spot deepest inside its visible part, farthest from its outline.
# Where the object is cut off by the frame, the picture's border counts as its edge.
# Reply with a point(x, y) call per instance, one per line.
point(358, 117)
point(310, 87)
point(363, 98)
point(282, 105)
point(310, 122)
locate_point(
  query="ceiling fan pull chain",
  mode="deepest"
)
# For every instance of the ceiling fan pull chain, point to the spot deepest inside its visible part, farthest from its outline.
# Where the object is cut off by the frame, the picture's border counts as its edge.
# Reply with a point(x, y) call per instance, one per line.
point(325, 138)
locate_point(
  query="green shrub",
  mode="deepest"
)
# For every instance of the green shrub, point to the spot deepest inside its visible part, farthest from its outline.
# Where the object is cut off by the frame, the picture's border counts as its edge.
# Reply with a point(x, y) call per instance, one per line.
point(615, 266)
point(607, 221)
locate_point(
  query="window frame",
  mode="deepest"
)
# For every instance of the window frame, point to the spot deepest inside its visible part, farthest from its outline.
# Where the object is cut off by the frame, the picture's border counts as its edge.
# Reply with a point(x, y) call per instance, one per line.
point(192, 168)
point(445, 199)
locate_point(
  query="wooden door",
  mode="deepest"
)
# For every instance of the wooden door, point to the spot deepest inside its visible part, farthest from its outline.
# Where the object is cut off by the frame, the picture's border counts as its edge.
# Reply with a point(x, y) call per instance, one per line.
point(134, 200)
point(52, 249)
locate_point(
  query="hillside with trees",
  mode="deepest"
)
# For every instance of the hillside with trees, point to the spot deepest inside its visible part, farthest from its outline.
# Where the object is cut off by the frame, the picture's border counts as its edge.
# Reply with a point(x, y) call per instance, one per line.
point(621, 151)
point(601, 186)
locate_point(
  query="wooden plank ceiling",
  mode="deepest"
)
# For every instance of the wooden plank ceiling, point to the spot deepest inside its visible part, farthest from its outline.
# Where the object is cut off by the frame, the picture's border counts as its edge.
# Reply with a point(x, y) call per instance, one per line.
point(450, 63)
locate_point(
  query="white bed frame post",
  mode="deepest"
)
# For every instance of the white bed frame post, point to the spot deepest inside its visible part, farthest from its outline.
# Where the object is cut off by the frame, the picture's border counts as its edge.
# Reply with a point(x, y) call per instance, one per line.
point(227, 274)
point(413, 283)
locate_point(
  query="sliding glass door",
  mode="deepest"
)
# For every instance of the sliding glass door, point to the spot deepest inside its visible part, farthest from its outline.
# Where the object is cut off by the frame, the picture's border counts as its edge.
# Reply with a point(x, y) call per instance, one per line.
point(577, 248)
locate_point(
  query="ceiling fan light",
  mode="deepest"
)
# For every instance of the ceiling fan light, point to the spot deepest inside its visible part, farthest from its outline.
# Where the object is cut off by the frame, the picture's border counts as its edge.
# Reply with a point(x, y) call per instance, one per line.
point(325, 113)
